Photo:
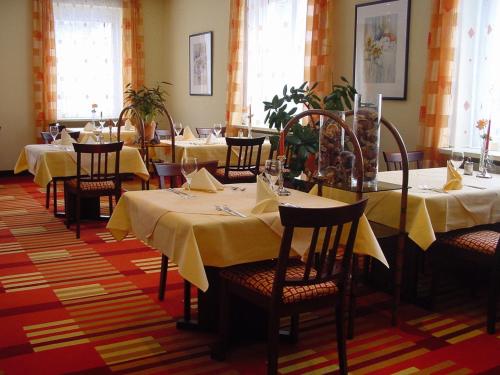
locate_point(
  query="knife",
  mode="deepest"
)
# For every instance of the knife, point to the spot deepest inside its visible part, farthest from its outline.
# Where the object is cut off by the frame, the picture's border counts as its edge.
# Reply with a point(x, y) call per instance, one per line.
point(233, 212)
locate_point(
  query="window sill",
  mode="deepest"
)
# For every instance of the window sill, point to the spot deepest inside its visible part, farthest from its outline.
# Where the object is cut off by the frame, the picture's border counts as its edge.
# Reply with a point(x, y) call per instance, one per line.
point(470, 152)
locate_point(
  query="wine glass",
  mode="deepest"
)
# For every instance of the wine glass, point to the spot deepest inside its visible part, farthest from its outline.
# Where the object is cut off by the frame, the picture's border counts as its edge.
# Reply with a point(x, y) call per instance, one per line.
point(189, 165)
point(457, 158)
point(98, 132)
point(177, 128)
point(217, 129)
point(54, 131)
point(272, 170)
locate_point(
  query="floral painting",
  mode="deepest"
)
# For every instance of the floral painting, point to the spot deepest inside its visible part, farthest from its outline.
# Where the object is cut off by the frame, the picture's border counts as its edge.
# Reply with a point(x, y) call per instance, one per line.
point(381, 48)
point(200, 64)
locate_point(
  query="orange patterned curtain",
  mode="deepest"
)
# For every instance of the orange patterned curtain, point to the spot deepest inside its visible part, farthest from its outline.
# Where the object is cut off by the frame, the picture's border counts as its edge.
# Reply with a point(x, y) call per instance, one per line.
point(235, 68)
point(436, 100)
point(44, 65)
point(133, 44)
point(318, 62)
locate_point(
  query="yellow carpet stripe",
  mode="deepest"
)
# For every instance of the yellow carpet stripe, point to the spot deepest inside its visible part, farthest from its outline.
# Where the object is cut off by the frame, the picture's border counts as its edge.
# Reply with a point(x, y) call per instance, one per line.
point(422, 319)
point(322, 370)
point(437, 367)
point(15, 284)
point(49, 324)
point(392, 361)
point(81, 270)
point(120, 305)
point(302, 365)
point(101, 297)
point(132, 331)
point(18, 275)
point(380, 353)
point(462, 371)
point(53, 330)
point(57, 337)
point(409, 370)
point(22, 279)
point(449, 330)
point(297, 355)
point(28, 230)
point(130, 348)
point(199, 362)
point(437, 324)
point(108, 302)
point(120, 319)
point(27, 288)
point(60, 345)
point(464, 336)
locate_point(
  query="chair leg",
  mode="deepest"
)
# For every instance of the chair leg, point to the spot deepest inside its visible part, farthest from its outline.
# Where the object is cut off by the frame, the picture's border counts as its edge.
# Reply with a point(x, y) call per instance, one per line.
point(187, 301)
point(110, 199)
point(492, 301)
point(352, 298)
point(77, 216)
point(294, 328)
point(163, 277)
point(47, 195)
point(54, 191)
point(219, 350)
point(272, 343)
point(341, 339)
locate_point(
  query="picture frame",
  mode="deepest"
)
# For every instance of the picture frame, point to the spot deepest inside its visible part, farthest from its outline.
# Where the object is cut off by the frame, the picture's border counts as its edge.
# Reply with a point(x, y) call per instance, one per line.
point(200, 64)
point(381, 41)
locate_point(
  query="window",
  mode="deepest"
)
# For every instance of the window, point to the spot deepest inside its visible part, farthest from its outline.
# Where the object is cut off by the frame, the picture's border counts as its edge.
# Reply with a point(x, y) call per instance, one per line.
point(274, 54)
point(476, 90)
point(88, 35)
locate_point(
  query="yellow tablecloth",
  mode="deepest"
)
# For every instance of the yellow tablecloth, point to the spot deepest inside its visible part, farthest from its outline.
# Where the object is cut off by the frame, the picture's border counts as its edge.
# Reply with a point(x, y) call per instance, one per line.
point(430, 211)
point(199, 149)
point(193, 234)
point(48, 161)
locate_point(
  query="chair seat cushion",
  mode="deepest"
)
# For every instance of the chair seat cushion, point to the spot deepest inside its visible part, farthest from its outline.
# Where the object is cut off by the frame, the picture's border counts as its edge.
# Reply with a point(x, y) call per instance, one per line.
point(237, 175)
point(259, 277)
point(482, 241)
point(87, 186)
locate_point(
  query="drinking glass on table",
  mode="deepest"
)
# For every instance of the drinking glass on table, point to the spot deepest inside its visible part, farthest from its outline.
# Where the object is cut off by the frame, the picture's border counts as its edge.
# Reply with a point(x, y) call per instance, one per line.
point(217, 129)
point(54, 131)
point(272, 170)
point(177, 128)
point(98, 132)
point(189, 165)
point(457, 158)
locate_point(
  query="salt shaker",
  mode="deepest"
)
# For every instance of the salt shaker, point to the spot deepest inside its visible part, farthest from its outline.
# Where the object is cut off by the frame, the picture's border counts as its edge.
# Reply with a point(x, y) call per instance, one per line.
point(468, 167)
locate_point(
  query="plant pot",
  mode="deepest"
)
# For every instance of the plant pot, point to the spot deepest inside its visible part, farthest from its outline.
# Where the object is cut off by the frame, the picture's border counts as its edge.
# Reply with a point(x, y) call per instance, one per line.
point(149, 131)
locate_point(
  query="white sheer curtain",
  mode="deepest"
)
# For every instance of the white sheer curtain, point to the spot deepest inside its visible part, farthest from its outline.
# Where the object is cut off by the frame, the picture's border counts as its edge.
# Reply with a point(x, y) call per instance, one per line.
point(477, 82)
point(88, 37)
point(276, 31)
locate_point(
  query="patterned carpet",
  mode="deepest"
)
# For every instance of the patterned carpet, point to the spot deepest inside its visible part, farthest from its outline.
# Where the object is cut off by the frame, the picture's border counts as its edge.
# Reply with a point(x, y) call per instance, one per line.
point(89, 306)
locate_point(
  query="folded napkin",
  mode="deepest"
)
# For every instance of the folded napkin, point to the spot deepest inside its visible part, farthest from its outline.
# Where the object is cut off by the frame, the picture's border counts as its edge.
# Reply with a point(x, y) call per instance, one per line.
point(65, 139)
point(90, 140)
point(267, 199)
point(128, 125)
point(211, 139)
point(203, 180)
point(89, 126)
point(453, 178)
point(188, 135)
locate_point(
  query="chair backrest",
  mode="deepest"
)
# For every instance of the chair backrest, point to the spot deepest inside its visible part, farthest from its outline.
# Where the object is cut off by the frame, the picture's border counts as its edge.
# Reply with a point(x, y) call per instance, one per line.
point(164, 133)
point(394, 160)
point(205, 132)
point(327, 226)
point(173, 172)
point(98, 162)
point(47, 138)
point(248, 151)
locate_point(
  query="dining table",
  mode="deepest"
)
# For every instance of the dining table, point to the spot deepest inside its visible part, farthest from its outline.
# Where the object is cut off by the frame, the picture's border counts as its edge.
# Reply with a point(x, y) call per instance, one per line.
point(204, 149)
point(431, 209)
point(126, 135)
point(46, 161)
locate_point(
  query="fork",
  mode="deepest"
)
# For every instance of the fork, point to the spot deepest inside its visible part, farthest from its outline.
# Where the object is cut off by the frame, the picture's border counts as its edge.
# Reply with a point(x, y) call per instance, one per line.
point(235, 188)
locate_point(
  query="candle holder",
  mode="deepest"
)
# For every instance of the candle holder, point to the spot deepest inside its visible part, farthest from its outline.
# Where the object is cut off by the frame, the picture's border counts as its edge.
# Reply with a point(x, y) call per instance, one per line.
point(483, 162)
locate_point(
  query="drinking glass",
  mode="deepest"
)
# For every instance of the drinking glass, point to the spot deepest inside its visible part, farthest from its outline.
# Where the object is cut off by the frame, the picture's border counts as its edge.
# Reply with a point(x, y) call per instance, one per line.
point(177, 128)
point(54, 131)
point(189, 165)
point(272, 170)
point(457, 158)
point(217, 129)
point(98, 132)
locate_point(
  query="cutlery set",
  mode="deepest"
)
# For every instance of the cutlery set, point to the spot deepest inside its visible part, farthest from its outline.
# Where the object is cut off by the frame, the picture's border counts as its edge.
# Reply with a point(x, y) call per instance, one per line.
point(180, 193)
point(229, 211)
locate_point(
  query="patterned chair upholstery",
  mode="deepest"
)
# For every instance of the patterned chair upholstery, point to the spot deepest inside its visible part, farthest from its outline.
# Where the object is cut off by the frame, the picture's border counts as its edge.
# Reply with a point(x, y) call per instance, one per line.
point(483, 241)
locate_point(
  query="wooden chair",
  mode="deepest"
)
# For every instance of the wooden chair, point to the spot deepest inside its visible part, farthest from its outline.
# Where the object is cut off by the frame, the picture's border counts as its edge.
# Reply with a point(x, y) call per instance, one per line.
point(287, 286)
point(97, 175)
point(205, 132)
point(246, 167)
point(47, 138)
point(463, 249)
point(394, 160)
point(172, 171)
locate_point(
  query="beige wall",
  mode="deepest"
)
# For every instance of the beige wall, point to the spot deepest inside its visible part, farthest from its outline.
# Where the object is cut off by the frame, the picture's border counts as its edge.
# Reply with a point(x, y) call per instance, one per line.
point(183, 18)
point(404, 114)
point(16, 113)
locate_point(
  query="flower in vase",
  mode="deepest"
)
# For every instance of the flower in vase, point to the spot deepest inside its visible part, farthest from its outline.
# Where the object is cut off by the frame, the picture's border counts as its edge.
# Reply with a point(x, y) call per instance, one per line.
point(482, 125)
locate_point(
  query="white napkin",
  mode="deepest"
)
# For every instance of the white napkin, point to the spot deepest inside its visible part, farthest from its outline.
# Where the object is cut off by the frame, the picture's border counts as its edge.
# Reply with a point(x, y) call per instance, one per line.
point(65, 139)
point(453, 178)
point(211, 139)
point(188, 135)
point(128, 125)
point(91, 140)
point(266, 200)
point(89, 126)
point(203, 180)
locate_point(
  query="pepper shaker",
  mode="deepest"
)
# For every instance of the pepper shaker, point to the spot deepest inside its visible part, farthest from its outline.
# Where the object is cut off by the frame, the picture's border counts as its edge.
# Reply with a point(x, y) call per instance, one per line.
point(468, 167)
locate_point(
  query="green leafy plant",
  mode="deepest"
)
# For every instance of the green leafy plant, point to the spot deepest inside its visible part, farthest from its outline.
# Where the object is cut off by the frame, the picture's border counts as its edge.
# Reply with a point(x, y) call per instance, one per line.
point(304, 140)
point(148, 102)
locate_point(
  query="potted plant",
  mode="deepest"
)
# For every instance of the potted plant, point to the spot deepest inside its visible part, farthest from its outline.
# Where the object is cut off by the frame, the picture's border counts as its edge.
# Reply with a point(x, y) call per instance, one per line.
point(149, 102)
point(304, 140)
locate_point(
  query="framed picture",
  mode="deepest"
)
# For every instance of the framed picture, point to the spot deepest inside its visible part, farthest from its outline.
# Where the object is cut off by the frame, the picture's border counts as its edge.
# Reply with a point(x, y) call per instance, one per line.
point(200, 64)
point(381, 48)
